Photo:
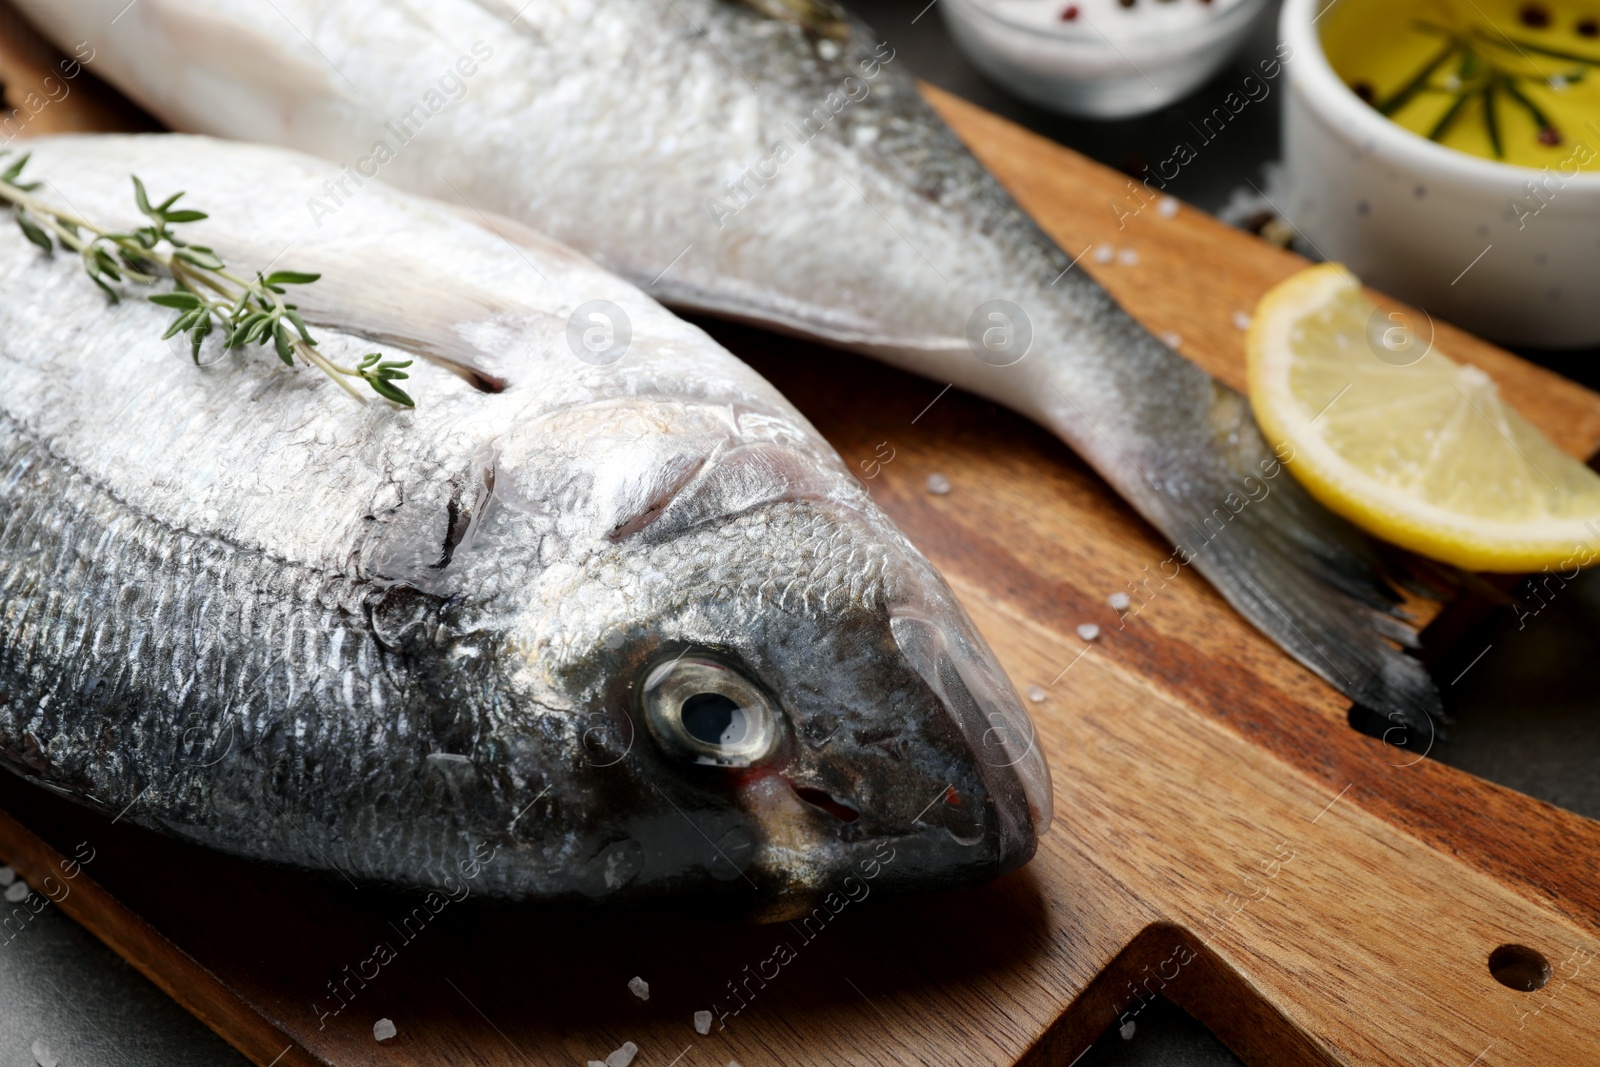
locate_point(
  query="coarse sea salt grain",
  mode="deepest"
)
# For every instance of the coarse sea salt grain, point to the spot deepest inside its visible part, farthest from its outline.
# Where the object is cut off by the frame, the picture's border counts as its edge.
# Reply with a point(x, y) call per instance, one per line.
point(1167, 207)
point(1172, 340)
point(1241, 320)
point(623, 1056)
point(1128, 257)
point(42, 1054)
point(7, 876)
point(938, 484)
point(17, 892)
point(1088, 631)
point(702, 1022)
point(639, 987)
point(1104, 253)
point(1119, 601)
point(384, 1029)
point(1036, 694)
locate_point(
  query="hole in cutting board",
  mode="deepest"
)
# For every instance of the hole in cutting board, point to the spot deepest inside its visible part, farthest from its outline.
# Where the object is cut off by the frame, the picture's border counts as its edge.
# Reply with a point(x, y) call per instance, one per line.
point(1163, 1036)
point(1192, 1006)
point(1519, 967)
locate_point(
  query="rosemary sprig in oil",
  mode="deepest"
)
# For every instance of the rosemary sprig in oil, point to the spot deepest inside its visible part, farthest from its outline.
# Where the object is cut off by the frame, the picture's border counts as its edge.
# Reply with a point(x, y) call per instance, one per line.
point(1482, 73)
point(206, 294)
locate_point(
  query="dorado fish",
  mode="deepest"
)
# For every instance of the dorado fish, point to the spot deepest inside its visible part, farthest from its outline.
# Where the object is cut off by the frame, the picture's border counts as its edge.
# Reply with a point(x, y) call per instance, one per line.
point(588, 622)
point(771, 161)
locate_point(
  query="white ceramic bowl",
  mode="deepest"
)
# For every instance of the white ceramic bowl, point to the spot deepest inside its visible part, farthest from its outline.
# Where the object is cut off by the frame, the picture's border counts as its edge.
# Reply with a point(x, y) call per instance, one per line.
point(1075, 69)
point(1461, 237)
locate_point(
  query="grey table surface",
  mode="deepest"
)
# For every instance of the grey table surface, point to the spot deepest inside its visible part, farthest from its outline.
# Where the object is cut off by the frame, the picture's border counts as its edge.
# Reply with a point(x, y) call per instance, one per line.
point(1525, 704)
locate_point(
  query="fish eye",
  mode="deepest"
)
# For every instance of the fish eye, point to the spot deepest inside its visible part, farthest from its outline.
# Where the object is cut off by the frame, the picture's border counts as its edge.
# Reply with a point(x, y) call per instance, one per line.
point(703, 709)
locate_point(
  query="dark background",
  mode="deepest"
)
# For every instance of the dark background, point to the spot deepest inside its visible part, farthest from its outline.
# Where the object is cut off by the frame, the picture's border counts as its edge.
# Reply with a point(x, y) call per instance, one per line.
point(1521, 689)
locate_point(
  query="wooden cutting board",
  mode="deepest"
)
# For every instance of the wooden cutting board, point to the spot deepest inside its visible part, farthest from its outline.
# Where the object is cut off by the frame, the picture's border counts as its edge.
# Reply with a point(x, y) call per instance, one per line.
point(1222, 835)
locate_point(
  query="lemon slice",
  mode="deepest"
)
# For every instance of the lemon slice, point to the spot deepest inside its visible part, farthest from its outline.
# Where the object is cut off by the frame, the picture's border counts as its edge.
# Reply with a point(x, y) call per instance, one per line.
point(1406, 443)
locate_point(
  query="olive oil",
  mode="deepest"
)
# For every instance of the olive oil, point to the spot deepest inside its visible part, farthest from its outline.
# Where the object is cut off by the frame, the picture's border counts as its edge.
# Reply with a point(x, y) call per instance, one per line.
point(1507, 80)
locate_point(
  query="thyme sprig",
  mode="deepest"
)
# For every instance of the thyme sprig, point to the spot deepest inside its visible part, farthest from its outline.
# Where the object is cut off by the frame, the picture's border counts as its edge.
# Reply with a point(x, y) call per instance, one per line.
point(1483, 71)
point(206, 294)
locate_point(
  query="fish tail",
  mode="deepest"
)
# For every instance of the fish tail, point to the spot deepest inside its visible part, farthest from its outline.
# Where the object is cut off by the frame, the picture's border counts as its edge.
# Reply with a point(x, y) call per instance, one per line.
point(1303, 576)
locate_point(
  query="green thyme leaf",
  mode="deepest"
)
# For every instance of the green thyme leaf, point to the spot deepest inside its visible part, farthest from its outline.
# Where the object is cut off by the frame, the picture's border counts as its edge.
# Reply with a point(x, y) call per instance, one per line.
point(200, 257)
point(13, 172)
point(283, 342)
point(179, 299)
point(141, 199)
point(197, 337)
point(391, 392)
point(258, 326)
point(34, 232)
point(290, 277)
point(105, 264)
point(178, 325)
point(293, 314)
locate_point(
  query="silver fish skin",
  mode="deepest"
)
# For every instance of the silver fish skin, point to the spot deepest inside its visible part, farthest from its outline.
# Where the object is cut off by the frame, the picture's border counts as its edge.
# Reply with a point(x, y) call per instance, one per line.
point(611, 631)
point(784, 171)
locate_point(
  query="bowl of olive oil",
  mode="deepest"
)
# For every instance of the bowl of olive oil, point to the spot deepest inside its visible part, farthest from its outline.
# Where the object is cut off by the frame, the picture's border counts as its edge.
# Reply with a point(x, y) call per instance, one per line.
point(1448, 151)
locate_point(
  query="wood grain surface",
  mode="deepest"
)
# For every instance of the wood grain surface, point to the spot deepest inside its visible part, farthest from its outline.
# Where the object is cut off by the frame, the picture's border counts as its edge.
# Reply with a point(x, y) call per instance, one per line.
point(1222, 836)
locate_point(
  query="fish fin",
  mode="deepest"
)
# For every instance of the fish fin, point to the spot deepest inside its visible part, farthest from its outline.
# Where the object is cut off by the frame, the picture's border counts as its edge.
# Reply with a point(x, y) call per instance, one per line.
point(1305, 577)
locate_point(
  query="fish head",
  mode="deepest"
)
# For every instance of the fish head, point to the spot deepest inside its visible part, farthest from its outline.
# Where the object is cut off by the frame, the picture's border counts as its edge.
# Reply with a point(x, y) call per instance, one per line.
point(789, 703)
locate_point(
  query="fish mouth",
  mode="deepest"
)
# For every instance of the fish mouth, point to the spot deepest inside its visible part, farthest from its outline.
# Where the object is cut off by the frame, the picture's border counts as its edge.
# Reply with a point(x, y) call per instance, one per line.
point(839, 807)
point(1001, 740)
point(964, 817)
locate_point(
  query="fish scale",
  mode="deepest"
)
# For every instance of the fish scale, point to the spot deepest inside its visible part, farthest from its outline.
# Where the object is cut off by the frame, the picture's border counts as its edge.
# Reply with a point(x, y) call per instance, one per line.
point(173, 575)
point(412, 646)
point(164, 576)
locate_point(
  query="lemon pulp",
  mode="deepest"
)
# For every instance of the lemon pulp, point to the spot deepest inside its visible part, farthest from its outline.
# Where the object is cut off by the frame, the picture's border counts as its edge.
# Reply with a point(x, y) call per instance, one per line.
point(1405, 442)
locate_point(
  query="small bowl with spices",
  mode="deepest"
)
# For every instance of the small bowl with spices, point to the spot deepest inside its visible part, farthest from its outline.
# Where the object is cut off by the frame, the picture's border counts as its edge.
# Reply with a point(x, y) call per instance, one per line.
point(1101, 59)
point(1448, 152)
